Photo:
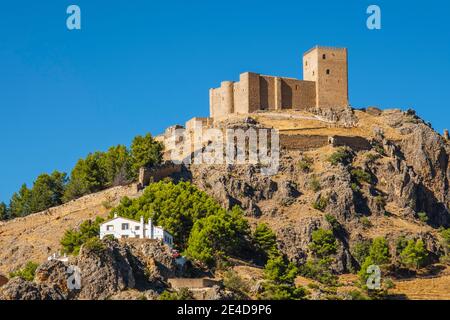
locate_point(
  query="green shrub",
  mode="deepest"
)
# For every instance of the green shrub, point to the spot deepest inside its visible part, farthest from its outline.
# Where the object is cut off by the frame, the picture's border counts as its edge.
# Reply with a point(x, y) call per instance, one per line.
point(357, 295)
point(354, 186)
point(279, 270)
point(379, 149)
point(335, 225)
point(319, 269)
point(361, 176)
point(305, 164)
point(414, 255)
point(217, 236)
point(323, 243)
point(27, 272)
point(362, 274)
point(73, 239)
point(233, 282)
point(4, 211)
point(277, 291)
point(360, 250)
point(341, 156)
point(372, 157)
point(314, 184)
point(423, 217)
point(388, 283)
point(379, 251)
point(265, 239)
point(400, 244)
point(181, 294)
point(380, 201)
point(280, 275)
point(445, 234)
point(365, 222)
point(320, 203)
point(94, 244)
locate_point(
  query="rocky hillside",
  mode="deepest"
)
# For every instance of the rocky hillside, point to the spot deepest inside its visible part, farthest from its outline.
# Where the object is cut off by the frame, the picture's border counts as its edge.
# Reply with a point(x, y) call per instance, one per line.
point(105, 270)
point(37, 236)
point(393, 183)
point(376, 192)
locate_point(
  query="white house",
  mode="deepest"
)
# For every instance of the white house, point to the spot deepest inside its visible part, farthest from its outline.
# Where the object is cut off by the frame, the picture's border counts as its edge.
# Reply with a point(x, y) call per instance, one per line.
point(121, 227)
point(57, 256)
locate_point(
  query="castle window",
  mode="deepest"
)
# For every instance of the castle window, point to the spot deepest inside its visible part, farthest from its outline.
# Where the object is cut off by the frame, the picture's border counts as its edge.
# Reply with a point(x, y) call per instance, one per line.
point(324, 56)
point(328, 71)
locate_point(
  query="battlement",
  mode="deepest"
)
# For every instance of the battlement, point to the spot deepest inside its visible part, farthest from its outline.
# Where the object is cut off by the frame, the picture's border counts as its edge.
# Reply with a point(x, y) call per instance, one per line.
point(325, 85)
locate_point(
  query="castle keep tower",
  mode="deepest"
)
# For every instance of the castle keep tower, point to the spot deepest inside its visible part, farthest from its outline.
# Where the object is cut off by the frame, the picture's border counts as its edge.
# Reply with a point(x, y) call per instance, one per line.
point(328, 68)
point(324, 85)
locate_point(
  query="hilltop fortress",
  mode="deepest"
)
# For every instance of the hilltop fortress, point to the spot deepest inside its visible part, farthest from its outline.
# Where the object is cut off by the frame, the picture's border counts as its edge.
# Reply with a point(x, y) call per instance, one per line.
point(325, 85)
point(277, 103)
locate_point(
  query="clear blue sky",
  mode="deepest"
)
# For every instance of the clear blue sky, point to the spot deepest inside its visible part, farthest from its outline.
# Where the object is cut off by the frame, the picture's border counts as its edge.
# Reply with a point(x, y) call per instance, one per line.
point(140, 66)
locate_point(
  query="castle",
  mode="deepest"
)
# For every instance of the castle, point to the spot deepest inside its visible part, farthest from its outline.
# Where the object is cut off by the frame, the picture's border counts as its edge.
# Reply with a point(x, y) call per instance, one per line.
point(325, 85)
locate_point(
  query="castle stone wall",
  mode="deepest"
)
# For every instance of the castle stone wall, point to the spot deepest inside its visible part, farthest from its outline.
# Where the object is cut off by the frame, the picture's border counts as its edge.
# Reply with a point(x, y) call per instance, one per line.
point(302, 142)
point(325, 85)
point(354, 142)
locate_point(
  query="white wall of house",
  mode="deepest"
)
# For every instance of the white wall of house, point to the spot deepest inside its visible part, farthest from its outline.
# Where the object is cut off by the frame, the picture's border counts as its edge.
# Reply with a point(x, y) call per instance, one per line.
point(120, 228)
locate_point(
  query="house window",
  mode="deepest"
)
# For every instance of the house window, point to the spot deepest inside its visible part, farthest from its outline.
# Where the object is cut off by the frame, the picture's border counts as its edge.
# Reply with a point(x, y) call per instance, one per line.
point(125, 226)
point(137, 228)
point(138, 236)
point(125, 236)
point(109, 227)
point(328, 71)
point(324, 56)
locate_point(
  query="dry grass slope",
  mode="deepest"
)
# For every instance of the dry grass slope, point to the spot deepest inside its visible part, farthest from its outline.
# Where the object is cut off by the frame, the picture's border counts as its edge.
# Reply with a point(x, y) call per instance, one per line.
point(37, 236)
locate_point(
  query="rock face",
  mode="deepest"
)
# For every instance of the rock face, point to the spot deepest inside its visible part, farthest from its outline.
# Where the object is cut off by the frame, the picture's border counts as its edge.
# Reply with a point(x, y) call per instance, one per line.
point(404, 174)
point(382, 191)
point(19, 289)
point(104, 272)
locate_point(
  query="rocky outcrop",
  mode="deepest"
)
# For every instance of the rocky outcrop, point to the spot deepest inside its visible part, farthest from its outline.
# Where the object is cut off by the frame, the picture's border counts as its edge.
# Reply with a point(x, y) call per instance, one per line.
point(408, 172)
point(104, 271)
point(294, 238)
point(19, 289)
point(419, 173)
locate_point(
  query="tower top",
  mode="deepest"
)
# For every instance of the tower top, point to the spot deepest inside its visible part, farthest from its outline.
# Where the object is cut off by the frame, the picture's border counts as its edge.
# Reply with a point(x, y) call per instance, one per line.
point(327, 48)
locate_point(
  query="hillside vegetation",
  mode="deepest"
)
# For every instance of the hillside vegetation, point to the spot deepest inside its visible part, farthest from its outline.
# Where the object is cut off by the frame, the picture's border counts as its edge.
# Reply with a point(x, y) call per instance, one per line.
point(320, 222)
point(98, 171)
